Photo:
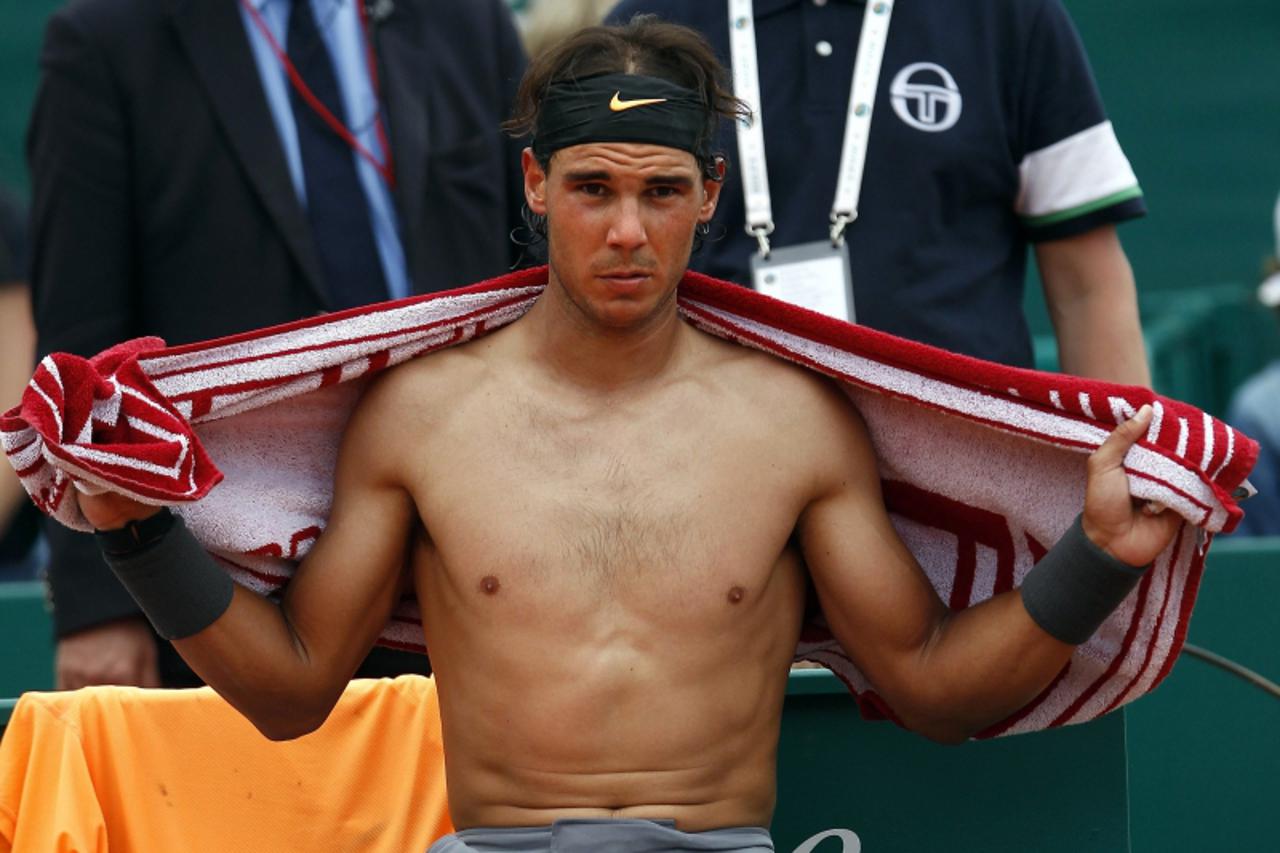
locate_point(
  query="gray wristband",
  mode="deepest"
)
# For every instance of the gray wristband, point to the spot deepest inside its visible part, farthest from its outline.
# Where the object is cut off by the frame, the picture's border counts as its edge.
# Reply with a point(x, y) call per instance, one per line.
point(1076, 586)
point(176, 583)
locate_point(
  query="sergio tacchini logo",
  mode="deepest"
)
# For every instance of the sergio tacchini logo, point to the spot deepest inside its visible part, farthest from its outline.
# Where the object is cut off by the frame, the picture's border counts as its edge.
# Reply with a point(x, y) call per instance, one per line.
point(618, 105)
point(926, 97)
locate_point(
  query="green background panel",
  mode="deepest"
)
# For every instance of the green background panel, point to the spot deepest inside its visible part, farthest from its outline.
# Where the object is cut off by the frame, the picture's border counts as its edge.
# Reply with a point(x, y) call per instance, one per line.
point(1193, 92)
point(21, 29)
point(26, 640)
point(1204, 748)
point(1064, 790)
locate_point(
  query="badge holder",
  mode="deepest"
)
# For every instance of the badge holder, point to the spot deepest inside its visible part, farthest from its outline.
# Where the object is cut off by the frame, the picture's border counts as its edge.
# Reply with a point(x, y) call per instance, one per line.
point(812, 275)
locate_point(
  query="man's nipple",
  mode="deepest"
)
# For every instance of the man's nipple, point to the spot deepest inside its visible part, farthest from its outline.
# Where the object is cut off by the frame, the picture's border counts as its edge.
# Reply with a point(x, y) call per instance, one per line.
point(735, 594)
point(489, 585)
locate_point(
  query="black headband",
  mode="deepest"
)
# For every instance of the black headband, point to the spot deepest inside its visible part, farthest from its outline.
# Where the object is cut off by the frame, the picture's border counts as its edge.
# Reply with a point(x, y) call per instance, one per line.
point(621, 108)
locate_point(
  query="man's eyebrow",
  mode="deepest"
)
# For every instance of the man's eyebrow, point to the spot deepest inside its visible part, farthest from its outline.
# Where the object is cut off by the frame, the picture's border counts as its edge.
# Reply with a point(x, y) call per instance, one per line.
point(589, 176)
point(584, 177)
point(679, 180)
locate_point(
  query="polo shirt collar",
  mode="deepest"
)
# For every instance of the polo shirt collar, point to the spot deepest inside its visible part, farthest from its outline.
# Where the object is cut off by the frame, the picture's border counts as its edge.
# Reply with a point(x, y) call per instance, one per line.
point(769, 7)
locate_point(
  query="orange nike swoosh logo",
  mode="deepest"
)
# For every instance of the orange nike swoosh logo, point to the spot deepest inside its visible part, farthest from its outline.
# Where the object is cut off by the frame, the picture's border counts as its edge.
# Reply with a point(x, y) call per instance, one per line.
point(618, 105)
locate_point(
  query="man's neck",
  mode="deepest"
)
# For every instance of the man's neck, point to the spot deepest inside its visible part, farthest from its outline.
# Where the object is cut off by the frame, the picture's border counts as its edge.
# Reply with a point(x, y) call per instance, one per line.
point(576, 349)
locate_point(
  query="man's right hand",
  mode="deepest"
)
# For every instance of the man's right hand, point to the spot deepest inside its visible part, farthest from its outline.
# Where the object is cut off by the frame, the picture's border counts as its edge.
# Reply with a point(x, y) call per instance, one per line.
point(121, 652)
point(108, 510)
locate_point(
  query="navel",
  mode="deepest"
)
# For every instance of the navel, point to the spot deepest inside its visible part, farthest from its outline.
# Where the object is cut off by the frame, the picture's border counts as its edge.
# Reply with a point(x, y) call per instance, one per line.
point(489, 585)
point(735, 594)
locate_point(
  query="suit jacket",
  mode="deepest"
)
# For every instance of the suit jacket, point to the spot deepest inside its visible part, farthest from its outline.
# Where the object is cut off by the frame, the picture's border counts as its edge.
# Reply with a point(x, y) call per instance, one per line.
point(162, 202)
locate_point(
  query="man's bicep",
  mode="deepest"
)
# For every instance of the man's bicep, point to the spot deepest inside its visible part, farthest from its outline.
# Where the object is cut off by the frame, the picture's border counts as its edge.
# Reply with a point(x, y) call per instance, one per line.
point(877, 600)
point(1071, 266)
point(345, 590)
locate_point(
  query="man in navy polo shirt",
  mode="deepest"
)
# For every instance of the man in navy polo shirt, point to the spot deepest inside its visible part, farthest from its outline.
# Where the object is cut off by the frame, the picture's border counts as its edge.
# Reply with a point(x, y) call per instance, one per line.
point(986, 134)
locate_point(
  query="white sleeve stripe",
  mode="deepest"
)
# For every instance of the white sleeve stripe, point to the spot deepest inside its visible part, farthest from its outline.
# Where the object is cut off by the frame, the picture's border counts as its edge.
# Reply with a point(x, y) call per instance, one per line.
point(1075, 172)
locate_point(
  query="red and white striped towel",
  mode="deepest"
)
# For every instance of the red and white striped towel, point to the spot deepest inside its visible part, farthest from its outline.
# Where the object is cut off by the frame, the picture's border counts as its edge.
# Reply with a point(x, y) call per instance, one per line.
point(982, 465)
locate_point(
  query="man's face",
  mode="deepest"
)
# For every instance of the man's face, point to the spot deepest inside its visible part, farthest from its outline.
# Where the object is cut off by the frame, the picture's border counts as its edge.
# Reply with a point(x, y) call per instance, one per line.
point(620, 222)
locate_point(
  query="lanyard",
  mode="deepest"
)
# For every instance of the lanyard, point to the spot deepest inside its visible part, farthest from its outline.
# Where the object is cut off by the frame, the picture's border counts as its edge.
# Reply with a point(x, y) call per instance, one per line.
point(385, 168)
point(857, 128)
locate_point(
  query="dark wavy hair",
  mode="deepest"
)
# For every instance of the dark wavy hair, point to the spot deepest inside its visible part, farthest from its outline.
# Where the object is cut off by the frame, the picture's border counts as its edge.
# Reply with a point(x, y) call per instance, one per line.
point(647, 46)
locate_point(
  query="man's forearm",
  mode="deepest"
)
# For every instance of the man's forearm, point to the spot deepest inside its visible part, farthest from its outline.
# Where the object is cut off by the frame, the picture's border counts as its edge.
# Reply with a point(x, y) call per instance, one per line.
point(240, 643)
point(996, 657)
point(983, 664)
point(255, 661)
point(1101, 338)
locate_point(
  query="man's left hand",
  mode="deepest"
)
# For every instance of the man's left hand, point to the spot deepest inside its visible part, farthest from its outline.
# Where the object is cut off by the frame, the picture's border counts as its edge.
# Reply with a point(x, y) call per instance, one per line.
point(1114, 520)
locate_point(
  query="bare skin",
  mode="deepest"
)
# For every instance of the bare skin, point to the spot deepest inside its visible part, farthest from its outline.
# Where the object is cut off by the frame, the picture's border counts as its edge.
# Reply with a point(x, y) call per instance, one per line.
point(118, 652)
point(1093, 303)
point(17, 351)
point(603, 513)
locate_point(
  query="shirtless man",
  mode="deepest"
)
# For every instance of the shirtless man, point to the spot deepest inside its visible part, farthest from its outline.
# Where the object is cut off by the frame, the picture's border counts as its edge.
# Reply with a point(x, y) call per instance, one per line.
point(607, 517)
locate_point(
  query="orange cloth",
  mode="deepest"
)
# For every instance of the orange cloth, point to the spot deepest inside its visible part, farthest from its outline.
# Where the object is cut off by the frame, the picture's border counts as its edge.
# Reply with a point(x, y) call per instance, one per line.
point(126, 769)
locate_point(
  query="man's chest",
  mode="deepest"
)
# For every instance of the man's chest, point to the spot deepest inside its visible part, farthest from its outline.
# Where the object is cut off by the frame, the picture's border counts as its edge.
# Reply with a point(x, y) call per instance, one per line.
point(616, 510)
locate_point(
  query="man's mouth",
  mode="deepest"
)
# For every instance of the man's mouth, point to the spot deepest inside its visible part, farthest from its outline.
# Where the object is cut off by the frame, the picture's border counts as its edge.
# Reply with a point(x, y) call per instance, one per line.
point(627, 276)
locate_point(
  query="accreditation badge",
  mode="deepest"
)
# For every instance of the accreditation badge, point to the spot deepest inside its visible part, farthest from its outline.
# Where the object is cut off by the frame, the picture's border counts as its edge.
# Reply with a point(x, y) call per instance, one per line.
point(812, 275)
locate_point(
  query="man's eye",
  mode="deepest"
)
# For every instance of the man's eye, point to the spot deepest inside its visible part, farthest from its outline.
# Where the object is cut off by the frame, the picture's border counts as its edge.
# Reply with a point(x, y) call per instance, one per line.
point(664, 192)
point(592, 189)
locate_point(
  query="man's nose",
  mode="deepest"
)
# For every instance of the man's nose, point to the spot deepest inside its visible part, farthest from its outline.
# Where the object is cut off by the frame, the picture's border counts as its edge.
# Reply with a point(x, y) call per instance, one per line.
point(627, 230)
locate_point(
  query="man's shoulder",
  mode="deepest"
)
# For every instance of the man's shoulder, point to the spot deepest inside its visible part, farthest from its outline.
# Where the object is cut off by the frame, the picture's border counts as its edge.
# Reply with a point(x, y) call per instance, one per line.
point(420, 396)
point(424, 384)
point(787, 392)
point(406, 405)
point(807, 418)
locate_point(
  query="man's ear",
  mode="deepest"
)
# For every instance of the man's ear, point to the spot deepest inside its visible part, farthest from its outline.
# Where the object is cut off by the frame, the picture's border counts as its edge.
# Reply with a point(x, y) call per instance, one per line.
point(535, 183)
point(711, 190)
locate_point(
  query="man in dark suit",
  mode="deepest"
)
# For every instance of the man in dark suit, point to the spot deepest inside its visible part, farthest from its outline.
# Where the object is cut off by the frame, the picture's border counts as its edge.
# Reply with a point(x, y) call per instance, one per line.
point(181, 189)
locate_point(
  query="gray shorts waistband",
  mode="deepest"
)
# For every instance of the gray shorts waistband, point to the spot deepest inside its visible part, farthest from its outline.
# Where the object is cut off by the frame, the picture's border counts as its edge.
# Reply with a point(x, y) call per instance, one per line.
point(604, 836)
